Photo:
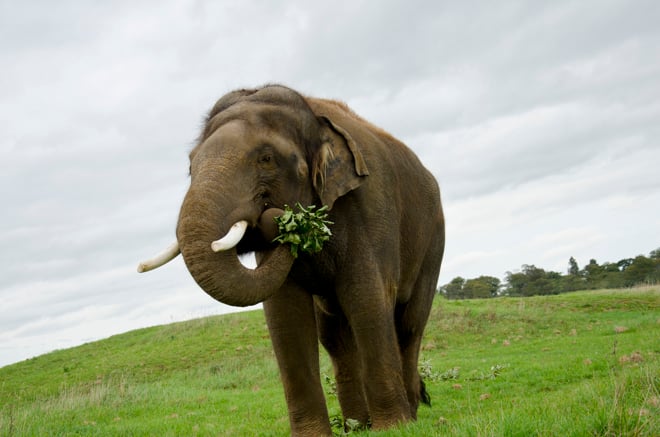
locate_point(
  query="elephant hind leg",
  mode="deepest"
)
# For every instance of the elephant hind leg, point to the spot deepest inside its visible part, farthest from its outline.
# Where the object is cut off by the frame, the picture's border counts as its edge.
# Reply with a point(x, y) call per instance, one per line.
point(337, 338)
point(411, 318)
point(414, 385)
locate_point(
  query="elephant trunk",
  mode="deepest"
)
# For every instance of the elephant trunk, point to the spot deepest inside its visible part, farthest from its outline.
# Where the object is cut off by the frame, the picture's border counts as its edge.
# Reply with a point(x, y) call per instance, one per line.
point(219, 273)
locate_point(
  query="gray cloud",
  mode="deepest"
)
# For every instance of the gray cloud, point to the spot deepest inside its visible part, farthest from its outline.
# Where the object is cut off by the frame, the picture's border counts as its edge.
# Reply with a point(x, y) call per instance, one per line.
point(538, 120)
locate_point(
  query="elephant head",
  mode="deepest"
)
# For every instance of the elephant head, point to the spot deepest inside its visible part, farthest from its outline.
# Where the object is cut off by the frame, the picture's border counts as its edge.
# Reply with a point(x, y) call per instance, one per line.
point(259, 151)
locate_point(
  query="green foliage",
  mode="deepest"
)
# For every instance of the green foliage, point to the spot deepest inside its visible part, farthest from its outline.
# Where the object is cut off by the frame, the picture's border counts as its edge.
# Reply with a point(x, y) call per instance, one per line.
point(305, 230)
point(583, 363)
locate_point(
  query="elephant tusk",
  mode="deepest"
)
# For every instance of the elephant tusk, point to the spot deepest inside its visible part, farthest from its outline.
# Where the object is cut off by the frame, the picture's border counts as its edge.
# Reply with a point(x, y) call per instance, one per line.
point(232, 238)
point(164, 257)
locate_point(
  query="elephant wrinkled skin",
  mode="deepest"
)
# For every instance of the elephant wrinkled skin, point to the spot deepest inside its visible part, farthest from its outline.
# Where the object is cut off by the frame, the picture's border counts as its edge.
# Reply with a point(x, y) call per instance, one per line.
point(367, 295)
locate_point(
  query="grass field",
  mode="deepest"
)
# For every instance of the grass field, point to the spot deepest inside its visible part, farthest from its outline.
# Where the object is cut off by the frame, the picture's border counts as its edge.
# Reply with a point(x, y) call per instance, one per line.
point(582, 364)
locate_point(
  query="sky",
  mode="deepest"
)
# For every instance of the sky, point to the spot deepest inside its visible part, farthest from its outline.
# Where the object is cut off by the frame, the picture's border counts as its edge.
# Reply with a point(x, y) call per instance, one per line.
point(540, 120)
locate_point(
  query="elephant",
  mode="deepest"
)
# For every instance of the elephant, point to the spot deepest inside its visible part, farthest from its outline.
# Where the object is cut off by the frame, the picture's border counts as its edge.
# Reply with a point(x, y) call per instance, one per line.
point(366, 296)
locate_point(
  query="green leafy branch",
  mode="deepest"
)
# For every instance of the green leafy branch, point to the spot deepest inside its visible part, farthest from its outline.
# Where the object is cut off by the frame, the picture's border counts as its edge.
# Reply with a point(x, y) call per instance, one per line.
point(305, 230)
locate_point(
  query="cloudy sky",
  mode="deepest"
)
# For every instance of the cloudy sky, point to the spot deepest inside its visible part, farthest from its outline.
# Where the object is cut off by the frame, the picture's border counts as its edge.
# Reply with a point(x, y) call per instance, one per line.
point(539, 119)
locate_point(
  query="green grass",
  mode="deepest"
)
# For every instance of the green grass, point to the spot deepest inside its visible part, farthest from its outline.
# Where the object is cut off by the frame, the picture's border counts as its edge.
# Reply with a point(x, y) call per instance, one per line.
point(585, 363)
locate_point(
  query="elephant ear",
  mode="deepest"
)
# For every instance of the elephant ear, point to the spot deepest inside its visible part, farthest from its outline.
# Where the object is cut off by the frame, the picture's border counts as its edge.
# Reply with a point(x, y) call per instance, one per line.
point(339, 166)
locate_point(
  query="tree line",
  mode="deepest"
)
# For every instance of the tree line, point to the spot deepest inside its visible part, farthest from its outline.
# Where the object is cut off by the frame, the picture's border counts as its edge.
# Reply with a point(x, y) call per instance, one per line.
point(532, 280)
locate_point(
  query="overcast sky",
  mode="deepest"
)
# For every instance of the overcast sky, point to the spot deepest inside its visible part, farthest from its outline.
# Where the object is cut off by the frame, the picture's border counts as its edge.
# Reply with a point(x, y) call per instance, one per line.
point(540, 120)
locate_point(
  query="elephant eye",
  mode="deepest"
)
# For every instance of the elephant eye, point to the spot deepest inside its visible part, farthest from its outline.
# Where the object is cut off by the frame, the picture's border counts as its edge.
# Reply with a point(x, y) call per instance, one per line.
point(266, 156)
point(266, 159)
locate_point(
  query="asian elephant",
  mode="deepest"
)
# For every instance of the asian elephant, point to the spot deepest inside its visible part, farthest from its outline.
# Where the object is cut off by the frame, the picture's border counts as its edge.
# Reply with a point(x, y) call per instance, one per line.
point(366, 296)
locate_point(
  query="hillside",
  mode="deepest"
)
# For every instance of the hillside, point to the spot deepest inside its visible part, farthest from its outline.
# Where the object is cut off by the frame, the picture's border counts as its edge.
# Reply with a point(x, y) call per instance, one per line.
point(584, 363)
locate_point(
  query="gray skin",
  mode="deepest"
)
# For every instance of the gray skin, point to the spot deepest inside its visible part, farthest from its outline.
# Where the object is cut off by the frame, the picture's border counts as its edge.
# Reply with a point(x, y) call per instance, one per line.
point(367, 295)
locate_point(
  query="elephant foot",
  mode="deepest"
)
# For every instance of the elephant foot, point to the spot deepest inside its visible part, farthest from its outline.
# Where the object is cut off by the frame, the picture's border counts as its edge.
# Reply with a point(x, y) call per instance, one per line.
point(396, 414)
point(310, 429)
point(383, 423)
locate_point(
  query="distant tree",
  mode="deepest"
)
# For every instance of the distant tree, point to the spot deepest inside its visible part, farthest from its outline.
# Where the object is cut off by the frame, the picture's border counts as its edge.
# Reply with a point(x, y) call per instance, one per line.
point(481, 287)
point(494, 285)
point(516, 284)
point(534, 276)
point(454, 289)
point(643, 270)
point(573, 268)
point(532, 281)
point(655, 275)
point(624, 263)
point(554, 282)
point(611, 275)
point(655, 254)
point(610, 267)
point(592, 274)
point(571, 283)
point(539, 282)
point(592, 268)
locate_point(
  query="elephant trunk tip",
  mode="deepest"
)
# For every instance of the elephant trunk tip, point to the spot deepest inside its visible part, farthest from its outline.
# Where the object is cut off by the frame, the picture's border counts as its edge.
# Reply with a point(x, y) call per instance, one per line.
point(223, 277)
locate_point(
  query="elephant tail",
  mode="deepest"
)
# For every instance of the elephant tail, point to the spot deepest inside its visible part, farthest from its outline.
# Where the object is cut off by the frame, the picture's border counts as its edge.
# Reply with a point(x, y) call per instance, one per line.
point(423, 394)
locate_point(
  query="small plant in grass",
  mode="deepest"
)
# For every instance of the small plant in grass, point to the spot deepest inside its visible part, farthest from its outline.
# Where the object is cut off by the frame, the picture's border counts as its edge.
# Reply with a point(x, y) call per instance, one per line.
point(341, 428)
point(305, 230)
point(427, 373)
point(337, 423)
point(449, 374)
point(330, 384)
point(495, 371)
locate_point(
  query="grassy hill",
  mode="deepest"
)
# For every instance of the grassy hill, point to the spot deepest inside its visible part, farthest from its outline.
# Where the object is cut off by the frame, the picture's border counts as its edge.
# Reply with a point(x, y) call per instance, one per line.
point(585, 363)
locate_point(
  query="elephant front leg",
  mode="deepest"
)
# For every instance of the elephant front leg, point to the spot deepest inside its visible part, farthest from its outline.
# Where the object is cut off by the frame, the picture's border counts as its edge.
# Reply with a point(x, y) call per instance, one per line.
point(292, 326)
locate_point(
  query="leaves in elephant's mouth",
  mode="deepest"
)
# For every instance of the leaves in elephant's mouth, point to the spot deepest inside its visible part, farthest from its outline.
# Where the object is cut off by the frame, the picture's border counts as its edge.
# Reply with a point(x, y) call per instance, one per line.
point(305, 230)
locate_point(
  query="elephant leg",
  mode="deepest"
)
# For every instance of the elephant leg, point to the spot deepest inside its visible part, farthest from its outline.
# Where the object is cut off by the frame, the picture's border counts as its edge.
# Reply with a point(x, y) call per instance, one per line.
point(337, 338)
point(370, 314)
point(411, 319)
point(410, 339)
point(292, 326)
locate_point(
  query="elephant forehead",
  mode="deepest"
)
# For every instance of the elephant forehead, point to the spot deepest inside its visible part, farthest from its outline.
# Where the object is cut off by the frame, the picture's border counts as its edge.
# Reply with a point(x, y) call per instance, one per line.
point(241, 137)
point(234, 133)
